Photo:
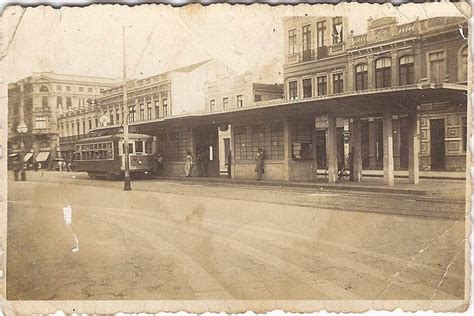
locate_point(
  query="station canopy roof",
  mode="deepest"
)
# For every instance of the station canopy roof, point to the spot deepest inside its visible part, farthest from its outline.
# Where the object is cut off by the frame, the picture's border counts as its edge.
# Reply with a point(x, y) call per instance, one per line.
point(399, 100)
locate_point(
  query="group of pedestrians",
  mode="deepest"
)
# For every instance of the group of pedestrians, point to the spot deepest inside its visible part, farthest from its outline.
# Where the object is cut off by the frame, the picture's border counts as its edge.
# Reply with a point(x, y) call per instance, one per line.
point(202, 164)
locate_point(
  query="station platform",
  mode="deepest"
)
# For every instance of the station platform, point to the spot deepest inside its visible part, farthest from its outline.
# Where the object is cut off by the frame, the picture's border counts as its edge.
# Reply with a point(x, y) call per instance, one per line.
point(444, 189)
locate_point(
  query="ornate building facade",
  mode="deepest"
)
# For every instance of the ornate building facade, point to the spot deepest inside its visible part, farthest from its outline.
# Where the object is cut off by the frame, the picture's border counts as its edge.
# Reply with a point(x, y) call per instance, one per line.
point(39, 100)
point(323, 58)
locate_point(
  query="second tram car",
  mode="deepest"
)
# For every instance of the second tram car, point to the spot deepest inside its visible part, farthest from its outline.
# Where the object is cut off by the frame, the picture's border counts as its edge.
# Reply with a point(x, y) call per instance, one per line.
point(103, 156)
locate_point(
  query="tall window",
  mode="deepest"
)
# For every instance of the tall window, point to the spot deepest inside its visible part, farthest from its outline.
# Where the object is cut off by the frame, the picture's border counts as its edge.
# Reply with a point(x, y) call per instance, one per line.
point(44, 101)
point(337, 30)
point(321, 30)
point(225, 102)
point(67, 129)
point(462, 65)
point(59, 102)
point(111, 117)
point(72, 129)
point(322, 85)
point(142, 112)
point(306, 42)
point(148, 111)
point(68, 102)
point(83, 127)
point(437, 67)
point(157, 109)
point(361, 77)
point(90, 124)
point(96, 122)
point(165, 107)
point(383, 72)
point(291, 41)
point(292, 90)
point(40, 122)
point(338, 83)
point(81, 89)
point(117, 115)
point(240, 101)
point(78, 127)
point(407, 70)
point(131, 115)
point(212, 104)
point(307, 88)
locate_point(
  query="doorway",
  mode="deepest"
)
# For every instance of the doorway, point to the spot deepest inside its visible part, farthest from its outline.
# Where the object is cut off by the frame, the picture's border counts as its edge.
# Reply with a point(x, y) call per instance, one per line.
point(437, 143)
point(206, 141)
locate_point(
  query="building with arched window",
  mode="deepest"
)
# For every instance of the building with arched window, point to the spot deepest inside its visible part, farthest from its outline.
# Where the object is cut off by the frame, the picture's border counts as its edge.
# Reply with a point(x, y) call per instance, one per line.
point(388, 56)
point(39, 100)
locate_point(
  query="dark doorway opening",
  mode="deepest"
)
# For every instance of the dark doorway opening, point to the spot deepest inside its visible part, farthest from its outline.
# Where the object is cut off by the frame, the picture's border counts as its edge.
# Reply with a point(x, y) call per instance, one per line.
point(321, 149)
point(404, 143)
point(207, 151)
point(437, 143)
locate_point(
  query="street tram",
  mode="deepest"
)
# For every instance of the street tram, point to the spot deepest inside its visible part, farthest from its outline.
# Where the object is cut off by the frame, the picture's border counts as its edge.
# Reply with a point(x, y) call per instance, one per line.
point(103, 155)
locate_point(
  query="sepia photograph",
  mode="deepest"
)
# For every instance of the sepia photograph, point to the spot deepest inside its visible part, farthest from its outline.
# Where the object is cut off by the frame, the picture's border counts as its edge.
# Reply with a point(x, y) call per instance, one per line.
point(239, 157)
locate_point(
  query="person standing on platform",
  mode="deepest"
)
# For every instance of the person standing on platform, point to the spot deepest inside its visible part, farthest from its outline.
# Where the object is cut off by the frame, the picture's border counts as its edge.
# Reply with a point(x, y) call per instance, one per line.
point(259, 167)
point(188, 168)
point(199, 163)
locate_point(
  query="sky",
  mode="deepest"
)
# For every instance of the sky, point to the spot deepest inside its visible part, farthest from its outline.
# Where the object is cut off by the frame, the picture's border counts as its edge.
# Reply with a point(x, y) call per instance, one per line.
point(88, 40)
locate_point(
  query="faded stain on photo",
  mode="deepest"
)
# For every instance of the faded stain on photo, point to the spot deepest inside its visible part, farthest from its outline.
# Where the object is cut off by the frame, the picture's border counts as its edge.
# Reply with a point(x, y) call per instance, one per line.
point(233, 158)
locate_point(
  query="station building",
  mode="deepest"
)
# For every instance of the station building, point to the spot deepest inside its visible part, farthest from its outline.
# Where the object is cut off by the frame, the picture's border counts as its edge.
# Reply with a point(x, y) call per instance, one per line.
point(39, 100)
point(323, 58)
point(391, 97)
point(394, 98)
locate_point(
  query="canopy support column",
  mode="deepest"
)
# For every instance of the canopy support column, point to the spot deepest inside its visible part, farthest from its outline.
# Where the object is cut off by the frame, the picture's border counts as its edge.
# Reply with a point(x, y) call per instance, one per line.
point(356, 150)
point(413, 148)
point(388, 173)
point(331, 149)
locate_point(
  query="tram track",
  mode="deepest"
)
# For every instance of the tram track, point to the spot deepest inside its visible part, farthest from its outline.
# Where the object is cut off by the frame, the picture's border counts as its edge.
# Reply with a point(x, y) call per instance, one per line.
point(302, 194)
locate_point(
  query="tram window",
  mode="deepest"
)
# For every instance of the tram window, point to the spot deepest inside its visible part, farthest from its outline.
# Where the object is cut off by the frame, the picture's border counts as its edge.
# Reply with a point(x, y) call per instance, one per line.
point(130, 148)
point(139, 146)
point(148, 147)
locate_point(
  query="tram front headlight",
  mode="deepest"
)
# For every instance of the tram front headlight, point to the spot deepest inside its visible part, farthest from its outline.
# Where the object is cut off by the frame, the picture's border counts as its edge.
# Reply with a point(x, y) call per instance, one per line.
point(140, 162)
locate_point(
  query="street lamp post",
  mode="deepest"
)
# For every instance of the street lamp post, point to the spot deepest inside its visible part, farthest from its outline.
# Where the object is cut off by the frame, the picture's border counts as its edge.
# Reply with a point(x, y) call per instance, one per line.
point(22, 129)
point(126, 181)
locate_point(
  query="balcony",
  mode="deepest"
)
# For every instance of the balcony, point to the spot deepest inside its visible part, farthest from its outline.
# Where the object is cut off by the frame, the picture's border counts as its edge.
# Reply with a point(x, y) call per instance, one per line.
point(308, 55)
point(336, 48)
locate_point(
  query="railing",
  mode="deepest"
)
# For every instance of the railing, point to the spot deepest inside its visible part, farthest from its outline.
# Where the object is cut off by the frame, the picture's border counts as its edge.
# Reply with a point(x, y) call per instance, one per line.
point(359, 39)
point(406, 28)
point(322, 52)
point(336, 48)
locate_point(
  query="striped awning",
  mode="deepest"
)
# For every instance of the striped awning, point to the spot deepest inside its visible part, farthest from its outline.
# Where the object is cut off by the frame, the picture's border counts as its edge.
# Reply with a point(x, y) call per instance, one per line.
point(42, 156)
point(27, 157)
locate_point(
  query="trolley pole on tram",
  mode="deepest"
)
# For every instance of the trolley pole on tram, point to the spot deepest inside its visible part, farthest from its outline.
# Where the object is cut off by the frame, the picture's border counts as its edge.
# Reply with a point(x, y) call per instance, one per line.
point(126, 181)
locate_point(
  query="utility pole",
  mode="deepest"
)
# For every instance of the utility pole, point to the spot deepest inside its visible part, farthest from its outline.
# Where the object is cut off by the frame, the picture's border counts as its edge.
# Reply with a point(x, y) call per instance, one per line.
point(126, 181)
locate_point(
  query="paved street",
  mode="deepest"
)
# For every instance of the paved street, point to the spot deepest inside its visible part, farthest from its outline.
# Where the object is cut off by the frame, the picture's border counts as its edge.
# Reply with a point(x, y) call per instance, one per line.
point(187, 240)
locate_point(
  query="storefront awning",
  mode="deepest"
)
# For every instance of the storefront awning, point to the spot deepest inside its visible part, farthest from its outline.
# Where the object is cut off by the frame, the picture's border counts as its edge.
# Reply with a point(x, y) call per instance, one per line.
point(42, 156)
point(12, 155)
point(27, 157)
